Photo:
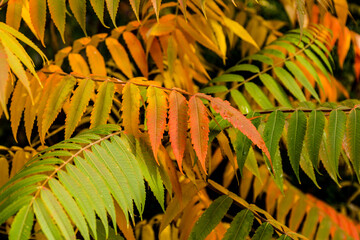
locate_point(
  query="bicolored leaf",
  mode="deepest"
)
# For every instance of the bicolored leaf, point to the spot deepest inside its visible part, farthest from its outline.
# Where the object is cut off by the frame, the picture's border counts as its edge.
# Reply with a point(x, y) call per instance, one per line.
point(103, 103)
point(264, 232)
point(211, 217)
point(238, 120)
point(4, 75)
point(120, 56)
point(131, 109)
point(56, 101)
point(78, 104)
point(314, 134)
point(78, 8)
point(353, 139)
point(295, 138)
point(199, 128)
point(336, 131)
point(178, 121)
point(57, 10)
point(241, 225)
point(137, 52)
point(112, 6)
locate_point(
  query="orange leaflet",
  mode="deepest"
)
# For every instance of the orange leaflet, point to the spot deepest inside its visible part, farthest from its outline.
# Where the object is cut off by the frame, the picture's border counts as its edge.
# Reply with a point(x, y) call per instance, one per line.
point(137, 52)
point(343, 45)
point(178, 125)
point(156, 54)
point(131, 109)
point(4, 69)
point(156, 116)
point(37, 10)
point(238, 120)
point(96, 61)
point(119, 55)
point(199, 128)
point(78, 64)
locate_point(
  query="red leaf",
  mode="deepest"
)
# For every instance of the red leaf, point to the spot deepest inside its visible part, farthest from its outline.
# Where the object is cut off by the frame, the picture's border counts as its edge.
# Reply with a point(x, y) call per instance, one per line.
point(238, 120)
point(199, 128)
point(156, 116)
point(178, 121)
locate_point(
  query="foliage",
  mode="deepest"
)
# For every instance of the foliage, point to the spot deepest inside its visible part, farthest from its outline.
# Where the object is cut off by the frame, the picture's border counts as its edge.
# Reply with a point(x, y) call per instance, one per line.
point(151, 105)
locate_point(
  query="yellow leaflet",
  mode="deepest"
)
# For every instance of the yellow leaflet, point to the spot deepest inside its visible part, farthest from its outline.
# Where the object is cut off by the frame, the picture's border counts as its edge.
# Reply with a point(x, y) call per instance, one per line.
point(37, 11)
point(78, 64)
point(17, 107)
point(112, 6)
point(103, 104)
point(13, 13)
point(27, 18)
point(18, 161)
point(78, 104)
point(240, 31)
point(4, 76)
point(220, 37)
point(137, 52)
point(60, 55)
point(78, 7)
point(57, 10)
point(131, 109)
point(96, 60)
point(120, 56)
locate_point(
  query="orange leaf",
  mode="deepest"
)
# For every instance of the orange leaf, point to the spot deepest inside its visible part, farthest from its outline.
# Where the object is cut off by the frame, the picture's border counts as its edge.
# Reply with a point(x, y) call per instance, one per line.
point(137, 52)
point(343, 45)
point(78, 64)
point(156, 54)
point(156, 116)
point(199, 128)
point(4, 75)
point(121, 220)
point(96, 60)
point(13, 13)
point(120, 56)
point(131, 109)
point(238, 120)
point(178, 125)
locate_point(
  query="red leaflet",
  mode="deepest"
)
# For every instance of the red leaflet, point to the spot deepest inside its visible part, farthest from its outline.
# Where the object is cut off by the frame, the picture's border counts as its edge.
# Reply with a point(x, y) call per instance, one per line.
point(199, 128)
point(156, 116)
point(178, 124)
point(238, 120)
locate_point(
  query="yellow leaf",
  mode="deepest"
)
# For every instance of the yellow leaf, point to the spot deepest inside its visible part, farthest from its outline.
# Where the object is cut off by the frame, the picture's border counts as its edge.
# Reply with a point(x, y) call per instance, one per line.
point(162, 28)
point(13, 13)
point(96, 60)
point(120, 56)
point(102, 106)
point(131, 109)
point(18, 161)
point(137, 52)
point(37, 9)
point(25, 13)
point(240, 31)
point(4, 77)
point(78, 64)
point(220, 37)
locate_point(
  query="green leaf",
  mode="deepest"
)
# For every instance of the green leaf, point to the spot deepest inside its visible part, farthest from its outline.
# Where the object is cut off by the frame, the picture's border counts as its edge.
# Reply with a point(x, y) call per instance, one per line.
point(307, 166)
point(295, 138)
point(289, 47)
point(310, 222)
point(103, 104)
point(112, 6)
point(98, 6)
point(276, 90)
point(310, 69)
point(210, 218)
point(70, 206)
point(315, 130)
point(57, 10)
point(22, 224)
point(273, 131)
point(57, 213)
point(353, 139)
point(290, 83)
point(214, 89)
point(261, 58)
point(323, 231)
point(258, 95)
point(284, 237)
point(229, 78)
point(244, 67)
point(48, 227)
point(13, 207)
point(336, 130)
point(273, 52)
point(317, 62)
point(240, 227)
point(240, 101)
point(264, 232)
point(300, 76)
point(324, 58)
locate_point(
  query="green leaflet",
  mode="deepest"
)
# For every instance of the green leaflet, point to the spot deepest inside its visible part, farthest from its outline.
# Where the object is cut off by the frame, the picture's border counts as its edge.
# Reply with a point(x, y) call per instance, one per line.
point(273, 52)
point(78, 8)
point(310, 222)
point(273, 131)
point(240, 226)
point(244, 67)
point(324, 58)
point(314, 134)
point(284, 237)
point(290, 83)
point(307, 166)
point(242, 143)
point(57, 10)
point(214, 89)
point(289, 47)
point(336, 130)
point(295, 138)
point(276, 90)
point(258, 95)
point(353, 139)
point(101, 232)
point(22, 225)
point(317, 61)
point(98, 6)
point(323, 231)
point(300, 76)
point(112, 6)
point(240, 101)
point(57, 213)
point(229, 78)
point(43, 217)
point(310, 69)
point(264, 232)
point(12, 207)
point(216, 126)
point(261, 58)
point(103, 104)
point(210, 218)
point(70, 206)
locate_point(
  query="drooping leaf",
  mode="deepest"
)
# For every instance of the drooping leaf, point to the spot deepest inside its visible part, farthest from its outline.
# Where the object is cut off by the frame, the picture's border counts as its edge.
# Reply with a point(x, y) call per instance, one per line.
point(13, 13)
point(310, 222)
point(178, 120)
point(290, 83)
point(131, 109)
point(120, 56)
point(22, 225)
point(102, 106)
point(314, 134)
point(211, 217)
point(112, 6)
point(78, 8)
point(137, 52)
point(336, 131)
point(156, 112)
point(57, 10)
point(353, 138)
point(199, 128)
point(98, 6)
point(295, 138)
point(264, 232)
point(244, 67)
point(273, 131)
point(240, 226)
point(240, 31)
point(4, 74)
